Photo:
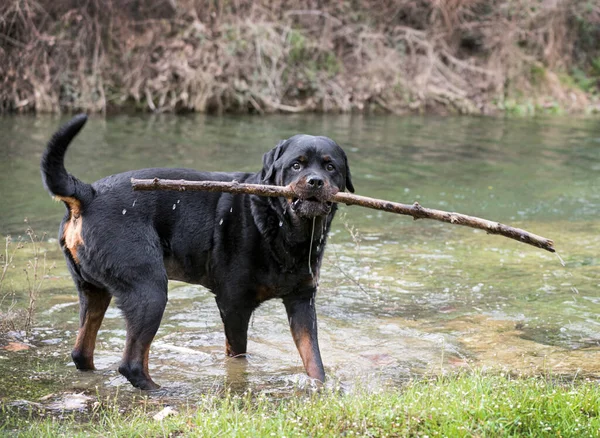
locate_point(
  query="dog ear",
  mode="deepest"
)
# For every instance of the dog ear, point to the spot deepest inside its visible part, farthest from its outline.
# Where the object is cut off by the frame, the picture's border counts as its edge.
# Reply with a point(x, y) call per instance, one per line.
point(269, 160)
point(349, 185)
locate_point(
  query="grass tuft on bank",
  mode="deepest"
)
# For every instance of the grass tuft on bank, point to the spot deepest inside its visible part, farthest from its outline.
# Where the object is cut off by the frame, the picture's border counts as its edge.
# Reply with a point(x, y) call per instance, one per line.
point(470, 404)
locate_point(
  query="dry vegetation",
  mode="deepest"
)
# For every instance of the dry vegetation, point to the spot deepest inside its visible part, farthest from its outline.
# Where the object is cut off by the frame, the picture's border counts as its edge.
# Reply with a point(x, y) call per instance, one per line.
point(18, 316)
point(467, 56)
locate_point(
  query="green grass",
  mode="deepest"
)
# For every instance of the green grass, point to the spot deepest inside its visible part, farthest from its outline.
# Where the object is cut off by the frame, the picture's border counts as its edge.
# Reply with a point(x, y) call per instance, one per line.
point(464, 405)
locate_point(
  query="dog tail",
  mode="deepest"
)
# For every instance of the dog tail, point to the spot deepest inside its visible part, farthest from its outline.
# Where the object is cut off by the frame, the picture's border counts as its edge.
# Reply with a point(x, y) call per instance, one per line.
point(55, 177)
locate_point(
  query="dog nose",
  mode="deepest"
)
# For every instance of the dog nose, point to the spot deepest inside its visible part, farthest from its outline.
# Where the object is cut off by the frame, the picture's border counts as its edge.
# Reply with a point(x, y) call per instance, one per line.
point(315, 182)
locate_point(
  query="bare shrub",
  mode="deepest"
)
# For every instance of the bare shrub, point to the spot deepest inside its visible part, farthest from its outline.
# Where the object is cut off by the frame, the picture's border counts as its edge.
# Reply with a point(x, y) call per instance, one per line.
point(15, 315)
point(260, 56)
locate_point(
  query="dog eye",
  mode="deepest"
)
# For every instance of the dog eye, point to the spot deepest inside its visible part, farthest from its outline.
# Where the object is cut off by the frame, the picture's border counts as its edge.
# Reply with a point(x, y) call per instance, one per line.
point(330, 167)
point(296, 166)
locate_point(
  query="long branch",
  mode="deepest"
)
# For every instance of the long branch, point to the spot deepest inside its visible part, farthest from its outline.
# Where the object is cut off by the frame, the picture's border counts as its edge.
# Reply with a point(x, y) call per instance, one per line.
point(415, 210)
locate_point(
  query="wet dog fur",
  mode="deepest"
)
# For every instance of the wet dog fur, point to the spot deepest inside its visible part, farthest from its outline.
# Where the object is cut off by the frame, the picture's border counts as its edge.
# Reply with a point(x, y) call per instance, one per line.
point(245, 249)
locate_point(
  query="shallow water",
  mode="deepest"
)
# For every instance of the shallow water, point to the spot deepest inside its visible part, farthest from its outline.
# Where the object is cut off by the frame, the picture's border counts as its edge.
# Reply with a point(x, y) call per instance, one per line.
point(398, 298)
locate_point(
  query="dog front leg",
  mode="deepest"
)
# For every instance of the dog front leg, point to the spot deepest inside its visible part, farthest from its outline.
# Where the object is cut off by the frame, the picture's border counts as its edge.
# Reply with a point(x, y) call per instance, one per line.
point(235, 320)
point(303, 324)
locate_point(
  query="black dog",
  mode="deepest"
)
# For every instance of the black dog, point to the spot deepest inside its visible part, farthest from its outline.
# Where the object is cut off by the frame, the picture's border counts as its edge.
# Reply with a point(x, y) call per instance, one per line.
point(246, 249)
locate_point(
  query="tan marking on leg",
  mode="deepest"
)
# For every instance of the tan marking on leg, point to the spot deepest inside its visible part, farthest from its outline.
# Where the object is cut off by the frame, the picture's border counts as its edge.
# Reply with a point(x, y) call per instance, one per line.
point(229, 351)
point(86, 342)
point(146, 360)
point(72, 229)
point(86, 336)
point(132, 355)
point(307, 353)
point(227, 347)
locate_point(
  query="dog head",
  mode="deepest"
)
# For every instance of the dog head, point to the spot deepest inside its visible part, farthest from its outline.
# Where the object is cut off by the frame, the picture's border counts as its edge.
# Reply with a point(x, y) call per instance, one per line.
point(314, 167)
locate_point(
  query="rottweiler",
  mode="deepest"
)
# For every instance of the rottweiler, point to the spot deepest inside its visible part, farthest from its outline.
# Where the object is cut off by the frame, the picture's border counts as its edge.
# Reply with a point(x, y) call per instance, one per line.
point(245, 249)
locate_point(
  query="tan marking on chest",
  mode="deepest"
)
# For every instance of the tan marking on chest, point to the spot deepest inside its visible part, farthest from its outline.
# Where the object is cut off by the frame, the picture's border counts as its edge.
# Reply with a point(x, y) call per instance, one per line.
point(72, 238)
point(264, 293)
point(312, 280)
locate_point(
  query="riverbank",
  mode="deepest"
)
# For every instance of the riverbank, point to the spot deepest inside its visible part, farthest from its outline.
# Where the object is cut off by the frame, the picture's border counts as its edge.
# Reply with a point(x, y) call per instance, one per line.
point(459, 56)
point(470, 404)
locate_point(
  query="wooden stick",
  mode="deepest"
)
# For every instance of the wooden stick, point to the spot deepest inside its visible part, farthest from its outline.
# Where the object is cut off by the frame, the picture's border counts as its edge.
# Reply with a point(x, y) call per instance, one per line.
point(415, 210)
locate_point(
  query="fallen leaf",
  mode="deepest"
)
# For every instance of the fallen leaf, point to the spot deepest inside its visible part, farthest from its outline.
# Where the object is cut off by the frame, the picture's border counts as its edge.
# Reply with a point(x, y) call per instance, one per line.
point(15, 346)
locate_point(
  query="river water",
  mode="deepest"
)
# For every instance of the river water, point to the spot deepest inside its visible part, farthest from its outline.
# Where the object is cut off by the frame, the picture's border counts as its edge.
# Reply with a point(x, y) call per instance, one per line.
point(398, 298)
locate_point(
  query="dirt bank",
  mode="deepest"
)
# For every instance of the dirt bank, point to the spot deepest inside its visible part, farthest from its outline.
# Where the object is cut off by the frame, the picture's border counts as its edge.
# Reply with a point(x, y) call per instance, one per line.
point(463, 56)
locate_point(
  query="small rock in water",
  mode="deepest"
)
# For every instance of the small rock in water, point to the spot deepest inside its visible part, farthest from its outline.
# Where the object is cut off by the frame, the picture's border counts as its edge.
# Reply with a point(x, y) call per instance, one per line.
point(477, 288)
point(164, 413)
point(53, 341)
point(71, 402)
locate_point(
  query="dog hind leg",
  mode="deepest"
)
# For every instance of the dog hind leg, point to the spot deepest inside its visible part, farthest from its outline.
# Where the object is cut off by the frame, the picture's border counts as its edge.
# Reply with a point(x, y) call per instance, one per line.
point(143, 309)
point(93, 302)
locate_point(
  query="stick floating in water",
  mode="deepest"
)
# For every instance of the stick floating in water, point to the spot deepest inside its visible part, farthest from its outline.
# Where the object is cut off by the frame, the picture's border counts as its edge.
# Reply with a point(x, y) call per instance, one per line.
point(415, 210)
